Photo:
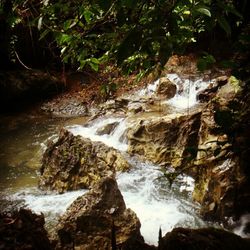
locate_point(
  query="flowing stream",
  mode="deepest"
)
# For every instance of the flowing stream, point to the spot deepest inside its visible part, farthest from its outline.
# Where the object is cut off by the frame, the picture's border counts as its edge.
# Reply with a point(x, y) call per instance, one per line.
point(143, 188)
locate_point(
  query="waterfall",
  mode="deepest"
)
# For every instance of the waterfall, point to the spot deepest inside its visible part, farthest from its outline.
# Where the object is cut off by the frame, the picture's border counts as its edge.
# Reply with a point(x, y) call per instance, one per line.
point(187, 91)
point(114, 139)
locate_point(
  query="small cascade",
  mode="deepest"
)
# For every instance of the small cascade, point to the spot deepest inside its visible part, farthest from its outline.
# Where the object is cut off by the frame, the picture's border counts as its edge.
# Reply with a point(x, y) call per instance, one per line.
point(187, 91)
point(149, 90)
point(114, 139)
point(144, 191)
point(155, 203)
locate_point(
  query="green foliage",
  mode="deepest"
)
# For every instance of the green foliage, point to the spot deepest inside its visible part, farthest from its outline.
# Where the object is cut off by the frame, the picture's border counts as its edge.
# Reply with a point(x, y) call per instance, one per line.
point(135, 34)
point(205, 62)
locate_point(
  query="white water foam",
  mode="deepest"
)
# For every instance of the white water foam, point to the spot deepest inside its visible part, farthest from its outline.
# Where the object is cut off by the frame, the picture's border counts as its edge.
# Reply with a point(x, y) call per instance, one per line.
point(149, 90)
point(114, 139)
point(50, 205)
point(187, 91)
point(243, 223)
point(155, 204)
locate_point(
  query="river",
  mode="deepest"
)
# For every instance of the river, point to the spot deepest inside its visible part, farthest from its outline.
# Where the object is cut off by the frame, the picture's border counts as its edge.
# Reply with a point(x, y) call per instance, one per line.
point(23, 140)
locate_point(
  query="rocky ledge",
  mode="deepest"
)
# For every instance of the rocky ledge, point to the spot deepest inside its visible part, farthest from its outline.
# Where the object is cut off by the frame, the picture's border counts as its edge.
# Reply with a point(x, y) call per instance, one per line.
point(74, 162)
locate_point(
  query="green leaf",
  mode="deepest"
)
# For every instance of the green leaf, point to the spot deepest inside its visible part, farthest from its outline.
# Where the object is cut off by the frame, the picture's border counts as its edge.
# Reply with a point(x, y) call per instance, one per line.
point(87, 16)
point(201, 64)
point(66, 24)
point(64, 38)
point(205, 62)
point(94, 63)
point(95, 60)
point(94, 66)
point(224, 24)
point(204, 11)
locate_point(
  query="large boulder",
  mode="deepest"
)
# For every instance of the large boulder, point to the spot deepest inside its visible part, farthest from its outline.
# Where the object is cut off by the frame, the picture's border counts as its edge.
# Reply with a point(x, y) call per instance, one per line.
point(166, 89)
point(23, 230)
point(99, 220)
point(199, 239)
point(168, 140)
point(73, 162)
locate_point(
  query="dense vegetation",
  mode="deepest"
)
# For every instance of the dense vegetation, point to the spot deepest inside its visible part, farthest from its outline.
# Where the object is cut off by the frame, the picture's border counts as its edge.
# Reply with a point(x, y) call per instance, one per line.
point(137, 35)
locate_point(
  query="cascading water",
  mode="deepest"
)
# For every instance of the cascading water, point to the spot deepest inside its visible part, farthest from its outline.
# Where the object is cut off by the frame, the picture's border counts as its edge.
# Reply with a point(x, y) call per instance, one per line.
point(187, 90)
point(114, 139)
point(156, 204)
point(51, 205)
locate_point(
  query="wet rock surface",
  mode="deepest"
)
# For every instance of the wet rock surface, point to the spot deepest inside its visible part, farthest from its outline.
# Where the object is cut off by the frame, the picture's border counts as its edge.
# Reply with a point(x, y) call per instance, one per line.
point(166, 89)
point(222, 182)
point(210, 92)
point(99, 220)
point(23, 230)
point(198, 239)
point(73, 162)
point(200, 143)
point(205, 145)
point(106, 130)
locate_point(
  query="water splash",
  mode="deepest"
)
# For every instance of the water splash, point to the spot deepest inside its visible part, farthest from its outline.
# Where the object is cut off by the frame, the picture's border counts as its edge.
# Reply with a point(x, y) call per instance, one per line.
point(149, 90)
point(155, 204)
point(187, 91)
point(51, 205)
point(115, 139)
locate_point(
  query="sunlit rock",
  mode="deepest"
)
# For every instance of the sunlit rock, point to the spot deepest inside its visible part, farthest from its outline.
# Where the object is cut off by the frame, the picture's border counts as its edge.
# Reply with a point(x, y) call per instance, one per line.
point(211, 91)
point(168, 140)
point(222, 185)
point(99, 220)
point(74, 162)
